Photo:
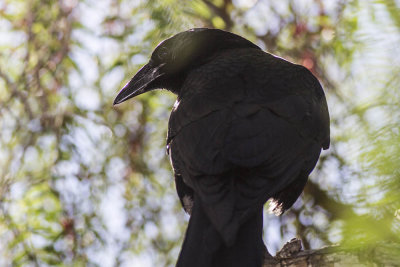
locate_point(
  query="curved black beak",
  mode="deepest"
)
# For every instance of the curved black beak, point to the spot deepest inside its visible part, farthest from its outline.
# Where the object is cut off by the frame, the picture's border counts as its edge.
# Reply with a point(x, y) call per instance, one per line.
point(139, 84)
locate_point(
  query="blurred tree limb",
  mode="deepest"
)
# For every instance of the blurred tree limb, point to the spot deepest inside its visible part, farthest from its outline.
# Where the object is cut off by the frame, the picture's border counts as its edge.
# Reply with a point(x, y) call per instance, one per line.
point(380, 254)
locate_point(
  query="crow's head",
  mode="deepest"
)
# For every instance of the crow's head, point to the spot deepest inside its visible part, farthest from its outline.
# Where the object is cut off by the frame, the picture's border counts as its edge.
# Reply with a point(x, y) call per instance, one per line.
point(173, 58)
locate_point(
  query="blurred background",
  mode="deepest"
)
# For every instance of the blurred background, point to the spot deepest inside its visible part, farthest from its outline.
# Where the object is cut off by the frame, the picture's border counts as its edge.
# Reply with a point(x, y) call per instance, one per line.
point(83, 183)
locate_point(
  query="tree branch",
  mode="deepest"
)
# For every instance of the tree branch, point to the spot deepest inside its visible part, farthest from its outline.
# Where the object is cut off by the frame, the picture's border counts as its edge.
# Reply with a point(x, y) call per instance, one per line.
point(379, 254)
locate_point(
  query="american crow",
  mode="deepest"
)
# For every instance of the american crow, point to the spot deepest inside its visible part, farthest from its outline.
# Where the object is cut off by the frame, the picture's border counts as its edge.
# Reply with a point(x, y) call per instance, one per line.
point(246, 127)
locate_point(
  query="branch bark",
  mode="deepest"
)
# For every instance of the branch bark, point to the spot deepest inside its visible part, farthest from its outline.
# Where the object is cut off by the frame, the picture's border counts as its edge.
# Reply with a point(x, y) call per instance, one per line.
point(380, 254)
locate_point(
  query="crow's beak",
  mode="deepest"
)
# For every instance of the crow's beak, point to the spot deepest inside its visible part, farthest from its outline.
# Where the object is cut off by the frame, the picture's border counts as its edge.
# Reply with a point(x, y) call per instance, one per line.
point(139, 84)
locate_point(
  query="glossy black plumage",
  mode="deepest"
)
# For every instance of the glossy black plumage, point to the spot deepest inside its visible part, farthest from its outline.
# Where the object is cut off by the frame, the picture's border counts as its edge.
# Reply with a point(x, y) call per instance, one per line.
point(247, 127)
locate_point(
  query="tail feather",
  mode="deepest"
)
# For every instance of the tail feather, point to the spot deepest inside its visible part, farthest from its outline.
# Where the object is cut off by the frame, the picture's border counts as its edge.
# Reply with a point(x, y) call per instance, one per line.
point(201, 240)
point(204, 247)
point(248, 249)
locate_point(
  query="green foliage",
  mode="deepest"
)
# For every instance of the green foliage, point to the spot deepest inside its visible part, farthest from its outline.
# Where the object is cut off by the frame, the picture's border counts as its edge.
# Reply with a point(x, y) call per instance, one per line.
point(83, 183)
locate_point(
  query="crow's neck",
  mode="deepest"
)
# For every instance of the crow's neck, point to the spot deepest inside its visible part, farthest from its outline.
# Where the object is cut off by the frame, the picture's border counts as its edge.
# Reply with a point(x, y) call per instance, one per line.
point(174, 83)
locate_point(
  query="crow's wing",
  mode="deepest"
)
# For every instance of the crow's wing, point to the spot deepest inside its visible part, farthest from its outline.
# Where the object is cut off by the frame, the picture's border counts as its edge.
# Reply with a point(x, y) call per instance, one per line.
point(251, 127)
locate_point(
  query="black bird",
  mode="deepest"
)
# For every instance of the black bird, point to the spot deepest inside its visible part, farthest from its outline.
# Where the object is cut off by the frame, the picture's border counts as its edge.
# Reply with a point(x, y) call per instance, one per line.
point(246, 127)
